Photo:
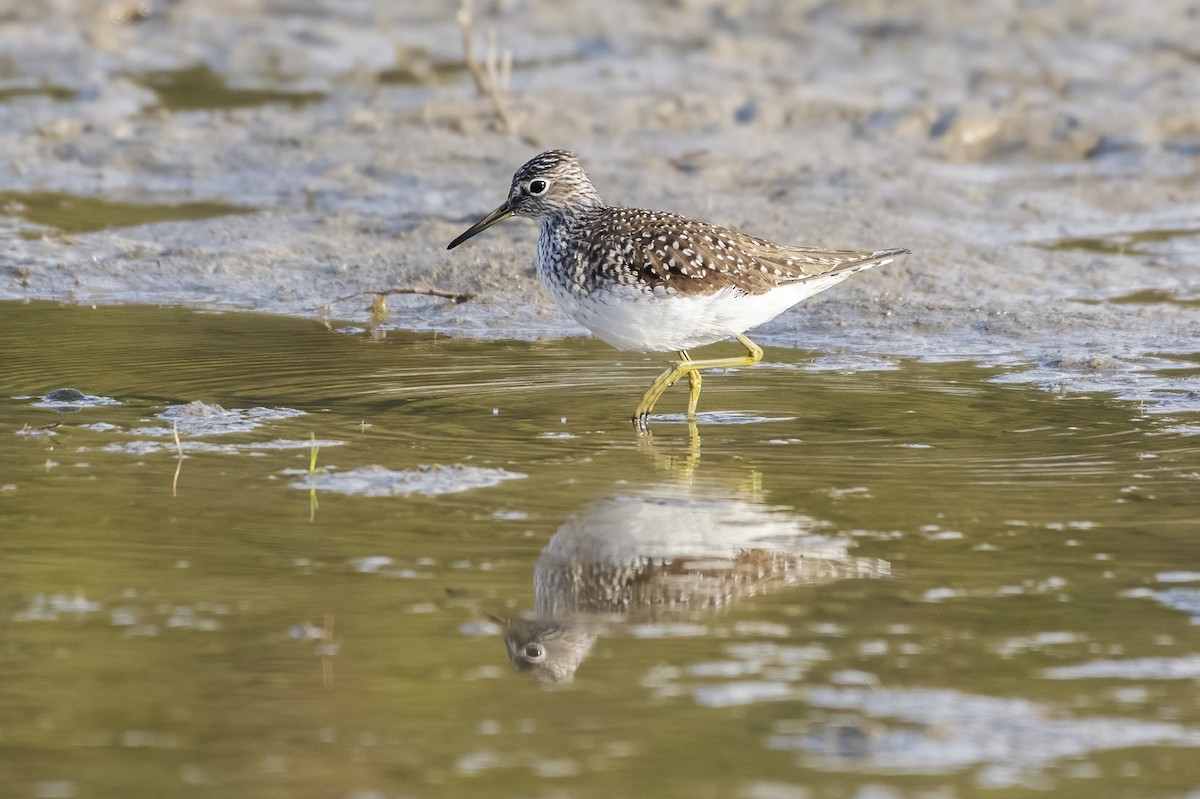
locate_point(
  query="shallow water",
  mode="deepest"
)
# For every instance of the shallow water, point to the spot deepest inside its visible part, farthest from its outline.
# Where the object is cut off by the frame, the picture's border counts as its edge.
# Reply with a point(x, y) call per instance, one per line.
point(1139, 242)
point(65, 213)
point(197, 88)
point(53, 92)
point(863, 577)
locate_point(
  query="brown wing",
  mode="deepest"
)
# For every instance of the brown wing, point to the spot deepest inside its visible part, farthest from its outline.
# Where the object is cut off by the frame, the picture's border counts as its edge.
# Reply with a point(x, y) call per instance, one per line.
point(667, 252)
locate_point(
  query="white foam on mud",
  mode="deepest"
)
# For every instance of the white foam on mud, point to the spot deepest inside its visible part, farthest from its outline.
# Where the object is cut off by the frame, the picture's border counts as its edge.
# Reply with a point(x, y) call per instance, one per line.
point(71, 400)
point(1181, 668)
point(941, 730)
point(378, 481)
point(720, 417)
point(142, 447)
point(1183, 599)
point(203, 419)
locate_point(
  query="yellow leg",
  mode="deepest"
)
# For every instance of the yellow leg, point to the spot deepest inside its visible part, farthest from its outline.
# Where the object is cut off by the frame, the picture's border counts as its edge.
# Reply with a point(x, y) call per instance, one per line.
point(693, 387)
point(693, 393)
point(686, 366)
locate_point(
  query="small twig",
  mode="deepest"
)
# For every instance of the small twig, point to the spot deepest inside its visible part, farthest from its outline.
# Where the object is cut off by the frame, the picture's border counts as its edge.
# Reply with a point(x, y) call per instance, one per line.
point(457, 297)
point(178, 460)
point(312, 469)
point(468, 43)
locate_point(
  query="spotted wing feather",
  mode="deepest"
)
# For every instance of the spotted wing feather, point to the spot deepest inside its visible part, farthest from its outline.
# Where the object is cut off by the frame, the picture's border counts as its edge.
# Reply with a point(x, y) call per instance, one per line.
point(674, 254)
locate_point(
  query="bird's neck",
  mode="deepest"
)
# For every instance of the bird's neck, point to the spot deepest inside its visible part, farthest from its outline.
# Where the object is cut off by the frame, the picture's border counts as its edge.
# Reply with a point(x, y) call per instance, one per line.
point(579, 215)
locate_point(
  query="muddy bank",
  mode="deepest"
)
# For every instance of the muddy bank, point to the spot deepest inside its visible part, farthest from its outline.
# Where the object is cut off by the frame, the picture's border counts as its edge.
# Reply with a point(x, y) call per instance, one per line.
point(1041, 166)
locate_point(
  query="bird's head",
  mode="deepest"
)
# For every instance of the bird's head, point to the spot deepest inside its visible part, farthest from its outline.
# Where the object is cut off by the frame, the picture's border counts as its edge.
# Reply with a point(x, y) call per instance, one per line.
point(548, 184)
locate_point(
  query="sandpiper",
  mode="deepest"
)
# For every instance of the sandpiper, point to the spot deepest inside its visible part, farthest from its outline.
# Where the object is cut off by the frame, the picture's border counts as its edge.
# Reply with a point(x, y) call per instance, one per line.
point(651, 281)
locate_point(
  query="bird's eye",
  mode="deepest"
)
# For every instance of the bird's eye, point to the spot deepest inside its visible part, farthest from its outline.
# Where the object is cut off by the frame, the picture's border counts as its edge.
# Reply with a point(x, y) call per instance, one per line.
point(537, 187)
point(534, 653)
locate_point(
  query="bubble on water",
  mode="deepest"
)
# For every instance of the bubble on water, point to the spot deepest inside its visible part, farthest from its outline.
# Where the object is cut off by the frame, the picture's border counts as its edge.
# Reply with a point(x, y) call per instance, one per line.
point(872, 648)
point(764, 789)
point(473, 763)
point(1177, 577)
point(371, 564)
point(761, 629)
point(854, 677)
point(946, 535)
point(54, 789)
point(51, 607)
point(862, 492)
point(723, 668)
point(147, 739)
point(123, 617)
point(556, 768)
point(510, 515)
point(742, 693)
point(1038, 642)
point(668, 630)
point(480, 628)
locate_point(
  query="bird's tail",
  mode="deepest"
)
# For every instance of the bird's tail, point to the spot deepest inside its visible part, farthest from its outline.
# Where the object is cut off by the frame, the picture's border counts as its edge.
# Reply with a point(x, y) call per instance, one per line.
point(881, 257)
point(869, 260)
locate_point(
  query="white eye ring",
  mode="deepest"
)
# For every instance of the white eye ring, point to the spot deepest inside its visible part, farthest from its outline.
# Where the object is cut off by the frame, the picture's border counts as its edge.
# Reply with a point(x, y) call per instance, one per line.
point(534, 653)
point(537, 187)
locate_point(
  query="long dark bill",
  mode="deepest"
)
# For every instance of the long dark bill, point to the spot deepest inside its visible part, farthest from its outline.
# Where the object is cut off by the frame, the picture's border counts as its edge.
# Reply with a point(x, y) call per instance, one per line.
point(499, 215)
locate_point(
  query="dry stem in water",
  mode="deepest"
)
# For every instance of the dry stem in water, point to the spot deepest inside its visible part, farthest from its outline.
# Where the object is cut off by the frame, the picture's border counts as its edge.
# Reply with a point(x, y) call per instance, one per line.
point(494, 77)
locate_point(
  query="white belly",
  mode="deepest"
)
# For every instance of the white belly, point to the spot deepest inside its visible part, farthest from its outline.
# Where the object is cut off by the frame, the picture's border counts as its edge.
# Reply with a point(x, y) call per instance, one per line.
point(630, 319)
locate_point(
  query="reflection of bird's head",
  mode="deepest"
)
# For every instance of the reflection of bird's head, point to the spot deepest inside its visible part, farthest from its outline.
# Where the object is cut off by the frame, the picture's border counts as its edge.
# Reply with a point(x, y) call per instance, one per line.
point(549, 651)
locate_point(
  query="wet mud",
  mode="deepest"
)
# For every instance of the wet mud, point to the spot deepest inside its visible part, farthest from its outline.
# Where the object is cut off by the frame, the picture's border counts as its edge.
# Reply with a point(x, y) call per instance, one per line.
point(1039, 164)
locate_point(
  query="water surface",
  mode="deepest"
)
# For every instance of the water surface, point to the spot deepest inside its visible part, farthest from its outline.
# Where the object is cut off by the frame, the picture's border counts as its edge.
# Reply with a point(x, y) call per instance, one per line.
point(70, 214)
point(199, 88)
point(858, 577)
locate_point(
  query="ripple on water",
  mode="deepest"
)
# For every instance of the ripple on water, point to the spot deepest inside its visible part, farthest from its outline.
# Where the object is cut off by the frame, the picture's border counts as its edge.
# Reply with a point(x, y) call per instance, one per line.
point(720, 418)
point(850, 363)
point(1003, 467)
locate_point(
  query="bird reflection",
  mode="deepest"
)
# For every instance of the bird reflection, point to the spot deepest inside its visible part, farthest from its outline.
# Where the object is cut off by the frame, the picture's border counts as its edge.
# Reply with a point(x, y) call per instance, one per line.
point(660, 557)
